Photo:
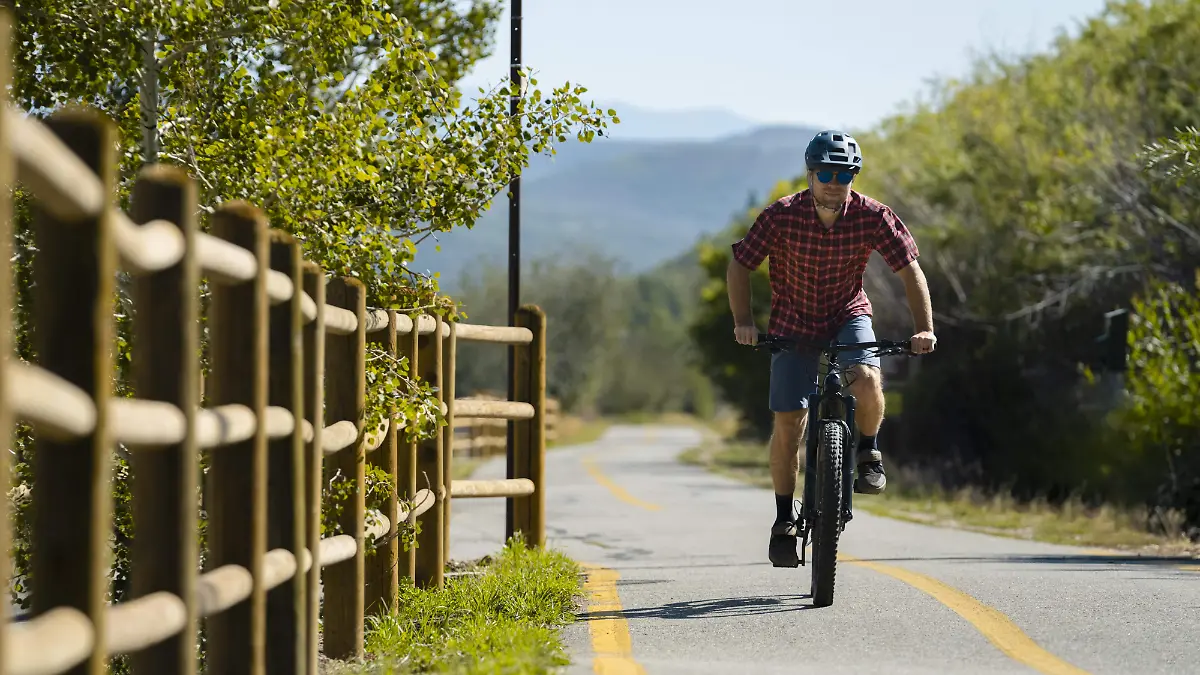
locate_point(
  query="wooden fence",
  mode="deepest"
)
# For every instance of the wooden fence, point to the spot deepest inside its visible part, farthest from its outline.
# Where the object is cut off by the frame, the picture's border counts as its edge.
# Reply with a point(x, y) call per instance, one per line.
point(486, 437)
point(281, 408)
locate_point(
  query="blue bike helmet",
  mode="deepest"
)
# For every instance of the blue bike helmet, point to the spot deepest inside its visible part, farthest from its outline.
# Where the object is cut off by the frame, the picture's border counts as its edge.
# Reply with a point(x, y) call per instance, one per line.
point(833, 148)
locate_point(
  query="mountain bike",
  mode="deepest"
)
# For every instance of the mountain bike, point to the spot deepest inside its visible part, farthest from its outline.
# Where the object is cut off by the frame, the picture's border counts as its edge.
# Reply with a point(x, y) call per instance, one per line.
point(826, 504)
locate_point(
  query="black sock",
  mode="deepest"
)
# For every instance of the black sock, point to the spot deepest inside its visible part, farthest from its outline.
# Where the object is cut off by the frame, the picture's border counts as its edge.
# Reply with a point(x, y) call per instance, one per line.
point(866, 443)
point(783, 508)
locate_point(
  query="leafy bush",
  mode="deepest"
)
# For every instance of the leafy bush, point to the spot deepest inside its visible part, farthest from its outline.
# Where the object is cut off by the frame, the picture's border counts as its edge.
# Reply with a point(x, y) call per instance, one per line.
point(1162, 419)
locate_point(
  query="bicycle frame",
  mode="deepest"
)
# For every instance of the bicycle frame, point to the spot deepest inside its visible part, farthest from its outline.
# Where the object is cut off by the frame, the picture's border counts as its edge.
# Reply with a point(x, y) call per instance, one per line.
point(822, 407)
point(831, 403)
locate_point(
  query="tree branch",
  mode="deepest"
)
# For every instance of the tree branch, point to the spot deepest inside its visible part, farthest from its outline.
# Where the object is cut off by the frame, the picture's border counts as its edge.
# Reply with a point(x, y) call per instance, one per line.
point(186, 48)
point(148, 94)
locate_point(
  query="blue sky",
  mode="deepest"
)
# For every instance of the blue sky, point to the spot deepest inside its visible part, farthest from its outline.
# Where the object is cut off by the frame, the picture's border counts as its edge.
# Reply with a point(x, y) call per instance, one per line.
point(779, 61)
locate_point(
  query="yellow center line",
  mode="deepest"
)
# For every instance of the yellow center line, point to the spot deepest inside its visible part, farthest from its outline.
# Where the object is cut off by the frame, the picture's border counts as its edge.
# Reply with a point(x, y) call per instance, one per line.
point(995, 626)
point(617, 490)
point(611, 643)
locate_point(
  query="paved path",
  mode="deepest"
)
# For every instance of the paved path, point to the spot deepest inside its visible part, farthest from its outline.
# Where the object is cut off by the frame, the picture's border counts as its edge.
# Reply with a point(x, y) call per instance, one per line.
point(679, 583)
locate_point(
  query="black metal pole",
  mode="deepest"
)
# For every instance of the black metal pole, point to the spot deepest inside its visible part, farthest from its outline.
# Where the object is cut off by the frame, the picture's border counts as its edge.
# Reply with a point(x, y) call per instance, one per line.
point(514, 241)
point(514, 187)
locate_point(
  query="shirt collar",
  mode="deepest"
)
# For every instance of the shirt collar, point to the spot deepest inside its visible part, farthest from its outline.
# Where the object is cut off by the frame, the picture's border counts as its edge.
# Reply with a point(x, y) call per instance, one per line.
point(810, 206)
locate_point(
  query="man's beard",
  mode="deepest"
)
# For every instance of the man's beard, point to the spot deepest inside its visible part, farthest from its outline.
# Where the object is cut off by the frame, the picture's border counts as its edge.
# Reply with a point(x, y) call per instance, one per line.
point(829, 205)
point(825, 205)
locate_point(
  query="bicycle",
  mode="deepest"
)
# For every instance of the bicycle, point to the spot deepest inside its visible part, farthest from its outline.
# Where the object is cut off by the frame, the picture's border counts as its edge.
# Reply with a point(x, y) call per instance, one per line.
point(829, 433)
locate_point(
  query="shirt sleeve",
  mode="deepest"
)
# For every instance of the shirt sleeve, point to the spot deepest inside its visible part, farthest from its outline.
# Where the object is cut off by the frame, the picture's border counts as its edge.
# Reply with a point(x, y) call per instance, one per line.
point(753, 248)
point(894, 242)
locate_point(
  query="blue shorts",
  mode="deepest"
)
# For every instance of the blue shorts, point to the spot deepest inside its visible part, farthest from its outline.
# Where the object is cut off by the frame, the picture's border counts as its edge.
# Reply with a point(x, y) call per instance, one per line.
point(794, 374)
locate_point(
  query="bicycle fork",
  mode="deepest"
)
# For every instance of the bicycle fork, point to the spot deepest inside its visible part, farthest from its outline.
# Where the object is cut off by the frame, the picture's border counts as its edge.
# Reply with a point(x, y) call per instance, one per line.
point(810, 468)
point(849, 452)
point(849, 462)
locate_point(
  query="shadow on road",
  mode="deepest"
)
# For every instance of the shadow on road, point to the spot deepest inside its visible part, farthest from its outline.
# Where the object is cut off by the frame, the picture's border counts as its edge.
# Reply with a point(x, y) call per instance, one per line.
point(708, 609)
point(1082, 561)
point(642, 582)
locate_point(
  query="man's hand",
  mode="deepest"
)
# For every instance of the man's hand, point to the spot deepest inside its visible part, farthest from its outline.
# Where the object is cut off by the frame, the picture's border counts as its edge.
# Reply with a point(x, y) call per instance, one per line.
point(923, 342)
point(746, 335)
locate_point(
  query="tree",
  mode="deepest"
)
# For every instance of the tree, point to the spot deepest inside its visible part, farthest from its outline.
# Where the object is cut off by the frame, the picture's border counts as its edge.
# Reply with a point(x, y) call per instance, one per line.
point(1026, 186)
point(740, 373)
point(581, 297)
point(340, 120)
point(616, 344)
point(1161, 421)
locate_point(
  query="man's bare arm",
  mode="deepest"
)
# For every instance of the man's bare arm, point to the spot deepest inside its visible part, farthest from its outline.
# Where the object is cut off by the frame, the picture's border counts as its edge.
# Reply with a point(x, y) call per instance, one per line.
point(917, 290)
point(737, 281)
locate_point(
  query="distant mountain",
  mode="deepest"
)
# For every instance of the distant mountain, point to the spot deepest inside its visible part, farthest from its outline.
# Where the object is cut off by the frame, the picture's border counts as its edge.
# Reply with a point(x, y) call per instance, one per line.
point(642, 202)
point(700, 124)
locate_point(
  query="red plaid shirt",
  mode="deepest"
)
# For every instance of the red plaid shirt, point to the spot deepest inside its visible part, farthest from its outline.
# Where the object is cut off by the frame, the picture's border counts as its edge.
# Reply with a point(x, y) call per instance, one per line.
point(817, 272)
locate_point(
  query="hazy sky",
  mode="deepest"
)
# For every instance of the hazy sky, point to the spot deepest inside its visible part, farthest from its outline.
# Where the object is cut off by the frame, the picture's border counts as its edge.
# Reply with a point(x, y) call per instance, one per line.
point(791, 61)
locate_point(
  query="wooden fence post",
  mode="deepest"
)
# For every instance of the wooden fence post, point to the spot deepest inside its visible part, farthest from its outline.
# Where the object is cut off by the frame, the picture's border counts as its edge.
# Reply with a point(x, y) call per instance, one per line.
point(165, 368)
point(382, 566)
point(410, 349)
point(345, 386)
point(449, 358)
point(74, 277)
point(314, 412)
point(529, 436)
point(285, 472)
point(430, 563)
point(237, 475)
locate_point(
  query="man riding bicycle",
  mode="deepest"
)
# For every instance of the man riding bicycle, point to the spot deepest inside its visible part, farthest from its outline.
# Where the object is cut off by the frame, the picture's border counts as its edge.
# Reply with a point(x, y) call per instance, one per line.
point(819, 241)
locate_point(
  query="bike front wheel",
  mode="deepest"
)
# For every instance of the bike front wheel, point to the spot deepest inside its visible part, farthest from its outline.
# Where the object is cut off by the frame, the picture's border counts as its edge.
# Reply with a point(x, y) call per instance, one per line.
point(827, 524)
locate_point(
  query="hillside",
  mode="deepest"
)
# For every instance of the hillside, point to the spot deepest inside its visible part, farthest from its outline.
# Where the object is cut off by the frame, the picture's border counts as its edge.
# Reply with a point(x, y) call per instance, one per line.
point(688, 124)
point(638, 201)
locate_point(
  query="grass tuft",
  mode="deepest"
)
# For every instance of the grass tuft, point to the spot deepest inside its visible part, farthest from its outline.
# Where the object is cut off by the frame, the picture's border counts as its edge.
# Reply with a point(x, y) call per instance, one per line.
point(499, 616)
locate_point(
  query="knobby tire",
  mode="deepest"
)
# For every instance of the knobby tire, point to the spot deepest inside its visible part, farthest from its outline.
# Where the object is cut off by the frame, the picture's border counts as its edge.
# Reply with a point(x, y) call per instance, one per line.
point(827, 527)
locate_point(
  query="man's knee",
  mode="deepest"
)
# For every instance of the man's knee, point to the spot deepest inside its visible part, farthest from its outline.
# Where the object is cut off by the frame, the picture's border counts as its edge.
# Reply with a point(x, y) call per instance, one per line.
point(790, 425)
point(865, 378)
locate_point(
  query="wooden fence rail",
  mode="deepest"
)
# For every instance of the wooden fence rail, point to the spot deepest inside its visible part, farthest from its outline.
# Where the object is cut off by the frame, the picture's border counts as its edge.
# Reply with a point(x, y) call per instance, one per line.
point(280, 412)
point(480, 436)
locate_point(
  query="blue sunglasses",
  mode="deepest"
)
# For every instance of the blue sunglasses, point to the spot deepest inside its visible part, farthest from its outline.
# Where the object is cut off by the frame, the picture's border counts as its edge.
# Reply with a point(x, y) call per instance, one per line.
point(844, 177)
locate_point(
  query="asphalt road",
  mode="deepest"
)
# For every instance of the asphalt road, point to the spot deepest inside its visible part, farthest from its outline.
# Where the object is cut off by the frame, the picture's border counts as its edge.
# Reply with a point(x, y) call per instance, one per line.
point(679, 582)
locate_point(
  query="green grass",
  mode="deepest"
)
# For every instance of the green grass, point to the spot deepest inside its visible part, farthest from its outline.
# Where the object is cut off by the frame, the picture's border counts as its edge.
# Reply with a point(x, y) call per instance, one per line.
point(502, 616)
point(741, 461)
point(573, 430)
point(577, 430)
point(910, 497)
point(721, 425)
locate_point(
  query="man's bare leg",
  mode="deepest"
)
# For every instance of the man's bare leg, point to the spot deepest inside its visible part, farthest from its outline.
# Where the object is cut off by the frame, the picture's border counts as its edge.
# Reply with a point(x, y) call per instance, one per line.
point(785, 450)
point(867, 388)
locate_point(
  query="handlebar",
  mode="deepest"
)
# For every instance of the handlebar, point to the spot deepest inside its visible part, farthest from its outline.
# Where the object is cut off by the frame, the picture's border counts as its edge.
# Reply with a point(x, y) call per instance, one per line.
point(882, 347)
